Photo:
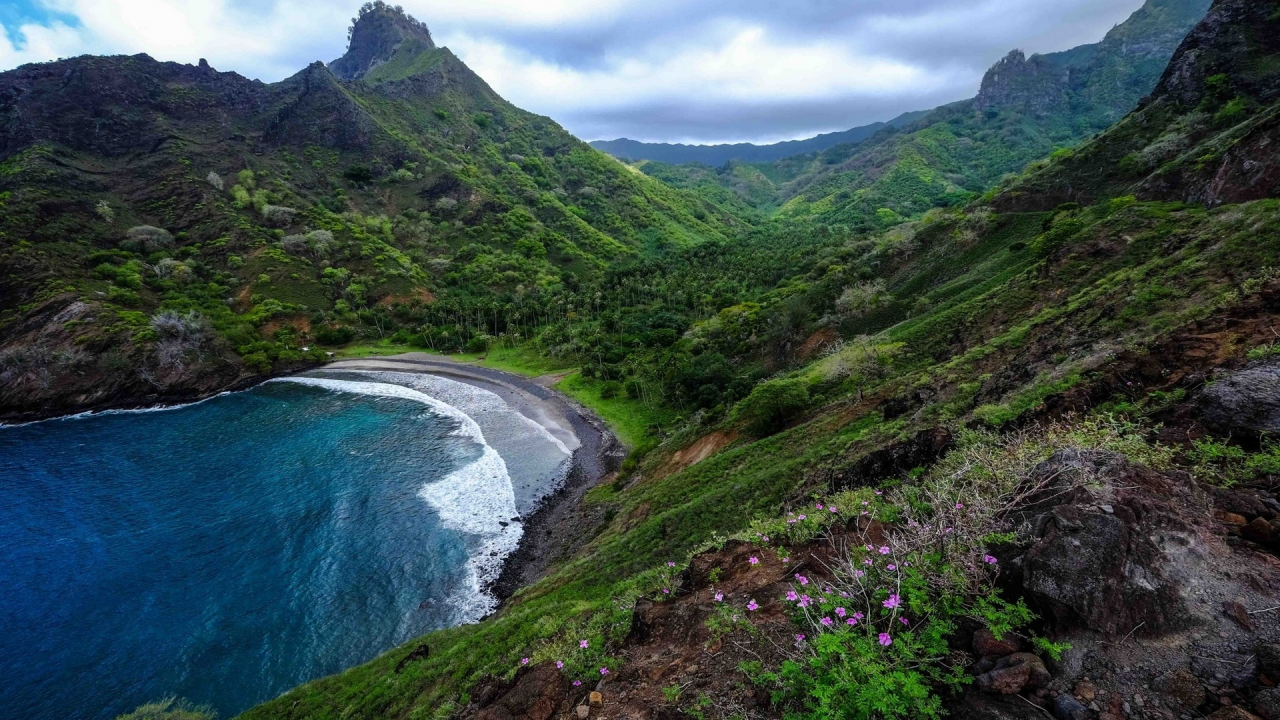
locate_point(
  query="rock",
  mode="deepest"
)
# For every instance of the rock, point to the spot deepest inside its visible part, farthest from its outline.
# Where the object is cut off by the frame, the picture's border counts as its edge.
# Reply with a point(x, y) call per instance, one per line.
point(1230, 518)
point(1268, 655)
point(1232, 712)
point(1258, 530)
point(1245, 402)
point(985, 644)
point(1237, 612)
point(1110, 572)
point(1086, 691)
point(595, 699)
point(1267, 704)
point(583, 712)
point(1240, 502)
point(977, 706)
point(1066, 707)
point(1181, 687)
point(1013, 674)
point(534, 694)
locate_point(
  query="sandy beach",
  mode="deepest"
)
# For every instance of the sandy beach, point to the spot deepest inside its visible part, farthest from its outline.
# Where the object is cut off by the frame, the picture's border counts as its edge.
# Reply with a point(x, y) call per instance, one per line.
point(548, 531)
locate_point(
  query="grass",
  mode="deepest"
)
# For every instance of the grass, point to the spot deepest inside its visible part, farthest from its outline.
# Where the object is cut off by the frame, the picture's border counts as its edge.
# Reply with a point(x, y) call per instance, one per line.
point(631, 420)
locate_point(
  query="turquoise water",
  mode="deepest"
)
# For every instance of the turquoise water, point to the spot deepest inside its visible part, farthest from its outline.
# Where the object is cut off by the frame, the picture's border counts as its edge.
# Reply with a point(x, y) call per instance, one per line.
point(227, 551)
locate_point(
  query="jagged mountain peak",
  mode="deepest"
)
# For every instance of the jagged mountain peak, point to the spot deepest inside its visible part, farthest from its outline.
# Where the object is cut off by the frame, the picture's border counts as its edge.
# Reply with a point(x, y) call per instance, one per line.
point(375, 35)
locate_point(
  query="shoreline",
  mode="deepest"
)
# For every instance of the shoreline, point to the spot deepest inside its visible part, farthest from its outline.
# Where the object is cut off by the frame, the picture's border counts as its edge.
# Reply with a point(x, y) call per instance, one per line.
point(599, 453)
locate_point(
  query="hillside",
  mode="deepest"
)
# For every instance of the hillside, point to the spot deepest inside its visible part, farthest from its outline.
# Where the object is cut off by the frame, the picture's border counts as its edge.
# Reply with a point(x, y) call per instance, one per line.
point(1007, 460)
point(167, 230)
point(712, 155)
point(1027, 108)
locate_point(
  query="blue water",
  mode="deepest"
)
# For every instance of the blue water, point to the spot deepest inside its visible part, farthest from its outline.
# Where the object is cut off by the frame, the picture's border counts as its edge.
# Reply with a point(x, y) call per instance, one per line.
point(223, 552)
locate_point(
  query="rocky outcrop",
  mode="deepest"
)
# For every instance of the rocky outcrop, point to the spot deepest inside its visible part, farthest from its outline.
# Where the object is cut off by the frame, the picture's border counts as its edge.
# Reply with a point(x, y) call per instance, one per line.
point(1246, 402)
point(1229, 41)
point(375, 36)
point(1033, 85)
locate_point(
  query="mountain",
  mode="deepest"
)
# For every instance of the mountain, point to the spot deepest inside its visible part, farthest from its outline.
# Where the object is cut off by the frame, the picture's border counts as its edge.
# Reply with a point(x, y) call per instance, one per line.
point(364, 198)
point(999, 450)
point(1027, 108)
point(679, 154)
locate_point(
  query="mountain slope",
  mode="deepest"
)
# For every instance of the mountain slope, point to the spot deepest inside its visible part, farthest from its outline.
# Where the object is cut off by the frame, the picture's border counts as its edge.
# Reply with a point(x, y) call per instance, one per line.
point(679, 154)
point(276, 216)
point(1091, 334)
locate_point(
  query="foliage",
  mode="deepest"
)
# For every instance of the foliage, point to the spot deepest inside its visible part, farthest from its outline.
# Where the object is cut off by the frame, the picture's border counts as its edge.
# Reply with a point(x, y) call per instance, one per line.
point(169, 709)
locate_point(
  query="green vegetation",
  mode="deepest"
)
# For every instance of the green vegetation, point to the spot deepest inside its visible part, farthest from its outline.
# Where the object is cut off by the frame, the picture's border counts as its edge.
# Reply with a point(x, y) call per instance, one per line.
point(169, 709)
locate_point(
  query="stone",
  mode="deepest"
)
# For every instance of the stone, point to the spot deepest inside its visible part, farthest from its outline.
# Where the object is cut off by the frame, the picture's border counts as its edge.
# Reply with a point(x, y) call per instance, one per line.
point(1066, 707)
point(1268, 655)
point(1258, 530)
point(1181, 687)
point(977, 706)
point(1237, 612)
point(1232, 712)
point(1267, 704)
point(1230, 518)
point(1086, 691)
point(596, 699)
point(985, 644)
point(583, 712)
point(1013, 674)
point(1245, 402)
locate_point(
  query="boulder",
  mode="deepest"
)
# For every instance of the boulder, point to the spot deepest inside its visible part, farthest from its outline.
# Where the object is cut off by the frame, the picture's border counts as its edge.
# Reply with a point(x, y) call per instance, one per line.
point(1181, 687)
point(1244, 402)
point(1259, 531)
point(1106, 543)
point(1066, 707)
point(1013, 674)
point(1268, 655)
point(985, 644)
point(534, 694)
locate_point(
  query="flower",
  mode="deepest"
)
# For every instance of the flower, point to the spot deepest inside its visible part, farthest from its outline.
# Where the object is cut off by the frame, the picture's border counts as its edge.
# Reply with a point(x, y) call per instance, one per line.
point(670, 564)
point(840, 612)
point(754, 561)
point(858, 573)
point(884, 550)
point(988, 560)
point(879, 493)
point(858, 615)
point(800, 637)
point(802, 579)
point(893, 602)
point(559, 664)
point(764, 538)
point(752, 606)
point(865, 503)
point(819, 506)
point(719, 597)
point(786, 559)
point(665, 591)
point(524, 661)
point(852, 621)
point(885, 640)
point(604, 671)
point(868, 548)
point(804, 601)
point(826, 621)
point(867, 561)
point(905, 621)
point(791, 595)
point(801, 517)
point(576, 683)
point(583, 644)
point(892, 566)
point(833, 509)
point(959, 506)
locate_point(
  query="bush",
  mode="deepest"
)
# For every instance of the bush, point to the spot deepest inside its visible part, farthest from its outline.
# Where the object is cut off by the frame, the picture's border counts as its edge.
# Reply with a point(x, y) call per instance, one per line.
point(147, 239)
point(278, 215)
point(358, 174)
point(771, 404)
point(340, 335)
point(214, 179)
point(478, 344)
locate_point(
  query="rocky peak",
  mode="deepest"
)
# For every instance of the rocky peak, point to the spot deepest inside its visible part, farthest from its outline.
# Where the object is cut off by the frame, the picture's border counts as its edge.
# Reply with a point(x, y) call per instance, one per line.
point(1031, 84)
point(375, 35)
point(1238, 41)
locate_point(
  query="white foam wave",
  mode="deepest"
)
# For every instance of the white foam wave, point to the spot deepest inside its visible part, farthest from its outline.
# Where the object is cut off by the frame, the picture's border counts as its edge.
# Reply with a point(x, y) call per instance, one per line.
point(477, 499)
point(118, 411)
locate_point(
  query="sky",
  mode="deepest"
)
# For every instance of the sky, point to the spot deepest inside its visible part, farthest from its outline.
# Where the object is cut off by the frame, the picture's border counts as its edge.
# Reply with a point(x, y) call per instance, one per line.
point(694, 71)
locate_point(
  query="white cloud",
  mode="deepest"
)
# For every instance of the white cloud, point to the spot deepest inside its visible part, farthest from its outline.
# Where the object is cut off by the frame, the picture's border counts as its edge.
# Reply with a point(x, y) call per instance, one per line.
point(590, 63)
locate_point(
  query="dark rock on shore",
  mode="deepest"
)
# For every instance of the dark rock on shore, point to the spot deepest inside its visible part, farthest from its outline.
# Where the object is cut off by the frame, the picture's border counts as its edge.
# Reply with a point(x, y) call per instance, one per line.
point(1245, 402)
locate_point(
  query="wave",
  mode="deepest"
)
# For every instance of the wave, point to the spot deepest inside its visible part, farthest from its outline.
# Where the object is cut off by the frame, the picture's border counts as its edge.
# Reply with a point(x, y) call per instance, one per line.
point(477, 499)
point(120, 411)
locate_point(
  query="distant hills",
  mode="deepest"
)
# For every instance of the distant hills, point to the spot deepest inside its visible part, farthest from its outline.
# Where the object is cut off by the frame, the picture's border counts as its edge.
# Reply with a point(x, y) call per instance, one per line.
point(680, 154)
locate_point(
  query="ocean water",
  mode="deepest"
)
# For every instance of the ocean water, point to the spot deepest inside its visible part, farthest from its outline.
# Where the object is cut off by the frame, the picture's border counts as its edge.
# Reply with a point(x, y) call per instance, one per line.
point(229, 550)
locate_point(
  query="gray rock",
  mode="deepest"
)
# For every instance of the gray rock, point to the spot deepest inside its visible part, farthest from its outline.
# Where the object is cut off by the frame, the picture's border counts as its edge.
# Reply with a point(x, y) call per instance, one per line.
point(1245, 402)
point(1267, 704)
point(1066, 707)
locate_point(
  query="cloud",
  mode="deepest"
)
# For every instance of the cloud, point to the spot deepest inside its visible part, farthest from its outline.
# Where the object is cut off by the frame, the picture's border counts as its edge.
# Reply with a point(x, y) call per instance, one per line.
point(671, 70)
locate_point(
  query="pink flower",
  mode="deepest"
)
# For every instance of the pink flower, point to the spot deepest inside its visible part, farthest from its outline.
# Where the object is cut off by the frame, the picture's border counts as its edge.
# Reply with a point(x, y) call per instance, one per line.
point(802, 579)
point(826, 621)
point(879, 493)
point(804, 601)
point(752, 606)
point(905, 621)
point(852, 621)
point(892, 566)
point(819, 506)
point(765, 538)
point(867, 561)
point(604, 671)
point(754, 561)
point(885, 640)
point(988, 560)
point(865, 503)
point(791, 595)
point(666, 591)
point(884, 550)
point(833, 508)
point(670, 564)
point(959, 506)
point(868, 548)
point(800, 637)
point(559, 664)
point(840, 612)
point(576, 683)
point(893, 602)
point(786, 559)
point(858, 615)
point(583, 644)
point(801, 517)
point(719, 597)
point(524, 661)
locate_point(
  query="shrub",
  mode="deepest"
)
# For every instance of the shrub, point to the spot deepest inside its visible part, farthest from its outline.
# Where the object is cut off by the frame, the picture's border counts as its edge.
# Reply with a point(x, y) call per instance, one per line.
point(340, 335)
point(123, 296)
point(103, 208)
point(358, 174)
point(214, 179)
point(147, 239)
point(862, 299)
point(478, 344)
point(278, 215)
point(771, 404)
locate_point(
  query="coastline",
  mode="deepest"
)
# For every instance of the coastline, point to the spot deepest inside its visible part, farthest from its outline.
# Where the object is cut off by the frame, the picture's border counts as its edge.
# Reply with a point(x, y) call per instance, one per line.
point(548, 530)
